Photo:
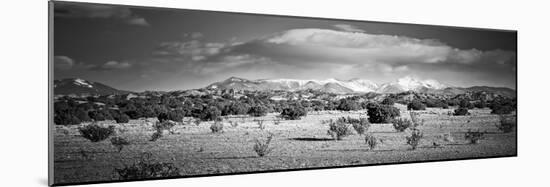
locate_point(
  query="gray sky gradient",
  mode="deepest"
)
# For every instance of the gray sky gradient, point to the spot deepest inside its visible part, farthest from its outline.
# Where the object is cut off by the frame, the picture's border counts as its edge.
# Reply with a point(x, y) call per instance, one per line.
point(141, 49)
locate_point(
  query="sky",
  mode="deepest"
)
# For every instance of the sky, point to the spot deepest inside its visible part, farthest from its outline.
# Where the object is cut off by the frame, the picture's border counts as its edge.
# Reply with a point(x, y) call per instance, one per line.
point(138, 49)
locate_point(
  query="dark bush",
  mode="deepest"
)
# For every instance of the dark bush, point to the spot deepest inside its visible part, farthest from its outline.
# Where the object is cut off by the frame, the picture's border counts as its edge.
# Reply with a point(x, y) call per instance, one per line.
point(262, 148)
point(461, 112)
point(465, 104)
point(473, 137)
point(96, 133)
point(435, 103)
point(338, 129)
point(381, 113)
point(506, 125)
point(371, 141)
point(388, 101)
point(210, 114)
point(293, 113)
point(66, 118)
point(120, 117)
point(348, 105)
point(416, 105)
point(502, 109)
point(119, 143)
point(401, 124)
point(147, 168)
point(257, 111)
point(414, 139)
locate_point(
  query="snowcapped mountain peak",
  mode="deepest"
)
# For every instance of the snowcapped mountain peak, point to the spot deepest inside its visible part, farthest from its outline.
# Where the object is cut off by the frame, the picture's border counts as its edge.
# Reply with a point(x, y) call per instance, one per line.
point(408, 83)
point(82, 82)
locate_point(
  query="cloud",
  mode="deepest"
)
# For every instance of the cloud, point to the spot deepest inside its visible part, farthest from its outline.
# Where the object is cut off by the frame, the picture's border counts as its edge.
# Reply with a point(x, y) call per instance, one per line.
point(348, 28)
point(110, 65)
point(92, 11)
point(63, 62)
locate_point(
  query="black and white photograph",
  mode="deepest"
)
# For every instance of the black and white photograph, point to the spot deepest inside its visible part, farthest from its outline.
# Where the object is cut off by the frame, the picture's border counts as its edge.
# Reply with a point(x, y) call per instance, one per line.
point(141, 93)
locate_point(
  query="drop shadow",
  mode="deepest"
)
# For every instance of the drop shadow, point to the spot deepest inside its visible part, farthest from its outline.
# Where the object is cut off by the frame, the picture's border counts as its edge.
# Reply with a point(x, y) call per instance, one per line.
point(312, 139)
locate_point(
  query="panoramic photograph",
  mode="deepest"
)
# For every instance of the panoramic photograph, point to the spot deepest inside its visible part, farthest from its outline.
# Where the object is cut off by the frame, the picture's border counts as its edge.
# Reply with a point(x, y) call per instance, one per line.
point(151, 93)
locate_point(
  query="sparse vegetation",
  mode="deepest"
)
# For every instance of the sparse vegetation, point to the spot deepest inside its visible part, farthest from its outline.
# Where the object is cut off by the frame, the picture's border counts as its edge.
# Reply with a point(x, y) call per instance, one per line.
point(262, 148)
point(371, 141)
point(147, 168)
point(119, 143)
point(473, 137)
point(260, 123)
point(216, 127)
point(506, 124)
point(338, 129)
point(361, 125)
point(401, 124)
point(95, 132)
point(414, 139)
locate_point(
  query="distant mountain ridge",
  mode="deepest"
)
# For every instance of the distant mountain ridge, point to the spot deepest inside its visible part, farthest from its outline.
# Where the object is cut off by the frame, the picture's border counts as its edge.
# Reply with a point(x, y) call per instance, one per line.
point(332, 85)
point(77, 86)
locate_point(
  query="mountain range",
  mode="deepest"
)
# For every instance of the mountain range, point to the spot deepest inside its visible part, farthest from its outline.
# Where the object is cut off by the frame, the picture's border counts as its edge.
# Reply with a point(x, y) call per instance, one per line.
point(79, 86)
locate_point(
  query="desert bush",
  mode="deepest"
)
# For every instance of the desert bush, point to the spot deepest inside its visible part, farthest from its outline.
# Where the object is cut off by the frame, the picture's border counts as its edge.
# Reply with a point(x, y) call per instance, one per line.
point(461, 112)
point(66, 119)
point(216, 127)
point(147, 168)
point(414, 139)
point(164, 125)
point(502, 109)
point(155, 136)
point(416, 105)
point(338, 129)
point(348, 105)
point(401, 124)
point(119, 142)
point(381, 113)
point(277, 121)
point(96, 133)
point(293, 113)
point(260, 123)
point(119, 117)
point(210, 114)
point(388, 101)
point(262, 148)
point(371, 141)
point(473, 137)
point(505, 124)
point(415, 119)
point(197, 122)
point(436, 103)
point(233, 124)
point(257, 111)
point(361, 125)
point(465, 104)
point(480, 104)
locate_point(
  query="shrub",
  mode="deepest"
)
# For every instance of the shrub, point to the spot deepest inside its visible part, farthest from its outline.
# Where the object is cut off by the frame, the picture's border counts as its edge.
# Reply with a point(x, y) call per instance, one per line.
point(416, 121)
point(147, 168)
point(461, 112)
point(348, 105)
point(371, 141)
point(257, 111)
point(165, 125)
point(260, 123)
point(119, 117)
point(465, 104)
point(435, 103)
point(156, 136)
point(381, 113)
point(388, 101)
point(414, 139)
point(263, 148)
point(119, 142)
point(210, 114)
point(473, 137)
point(401, 124)
point(66, 119)
point(338, 129)
point(480, 104)
point(96, 133)
point(197, 122)
point(502, 109)
point(361, 125)
point(506, 125)
point(416, 105)
point(233, 124)
point(293, 113)
point(216, 127)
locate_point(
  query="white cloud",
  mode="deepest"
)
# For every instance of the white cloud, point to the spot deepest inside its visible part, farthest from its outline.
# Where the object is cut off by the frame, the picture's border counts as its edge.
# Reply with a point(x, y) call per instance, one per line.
point(116, 65)
point(63, 62)
point(348, 28)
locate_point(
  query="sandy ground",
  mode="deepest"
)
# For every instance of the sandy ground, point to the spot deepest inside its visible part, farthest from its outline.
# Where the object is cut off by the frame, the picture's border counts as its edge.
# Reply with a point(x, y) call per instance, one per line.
point(297, 144)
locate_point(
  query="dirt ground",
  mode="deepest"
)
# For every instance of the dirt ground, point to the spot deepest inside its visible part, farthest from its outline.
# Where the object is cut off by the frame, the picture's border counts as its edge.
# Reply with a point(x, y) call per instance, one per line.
point(304, 143)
